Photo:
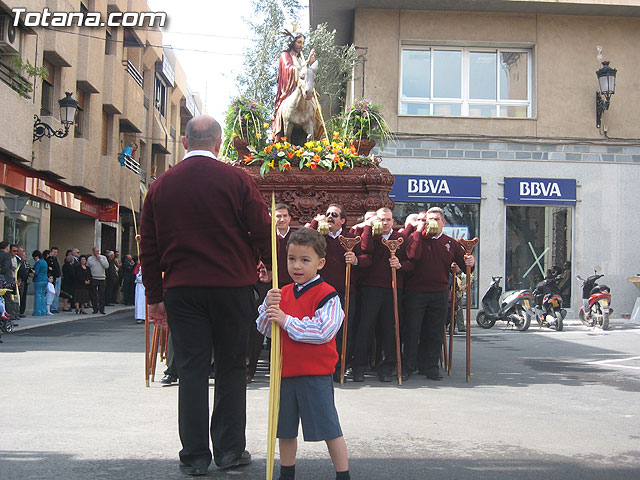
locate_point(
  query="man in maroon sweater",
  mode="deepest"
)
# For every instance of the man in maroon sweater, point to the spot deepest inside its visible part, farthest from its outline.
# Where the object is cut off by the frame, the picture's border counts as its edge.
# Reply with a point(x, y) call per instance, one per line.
point(334, 271)
point(377, 297)
point(206, 289)
point(426, 294)
point(283, 219)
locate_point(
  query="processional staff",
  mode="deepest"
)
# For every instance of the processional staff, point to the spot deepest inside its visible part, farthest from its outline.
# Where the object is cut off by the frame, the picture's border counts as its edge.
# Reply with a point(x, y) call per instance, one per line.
point(275, 367)
point(468, 246)
point(393, 246)
point(349, 244)
point(454, 282)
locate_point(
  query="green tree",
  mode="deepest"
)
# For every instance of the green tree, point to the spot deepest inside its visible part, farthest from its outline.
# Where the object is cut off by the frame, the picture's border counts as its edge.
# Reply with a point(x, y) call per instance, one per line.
point(335, 67)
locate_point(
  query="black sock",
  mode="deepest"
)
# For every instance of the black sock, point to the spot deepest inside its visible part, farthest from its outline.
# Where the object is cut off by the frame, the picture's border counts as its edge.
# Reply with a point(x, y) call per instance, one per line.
point(343, 475)
point(287, 473)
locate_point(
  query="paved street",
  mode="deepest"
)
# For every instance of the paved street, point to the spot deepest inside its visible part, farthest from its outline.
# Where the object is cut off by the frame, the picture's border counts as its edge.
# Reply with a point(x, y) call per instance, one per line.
point(540, 404)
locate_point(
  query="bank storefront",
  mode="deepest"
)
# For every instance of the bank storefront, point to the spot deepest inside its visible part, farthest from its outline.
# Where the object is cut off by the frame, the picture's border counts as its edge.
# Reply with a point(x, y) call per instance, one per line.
point(539, 231)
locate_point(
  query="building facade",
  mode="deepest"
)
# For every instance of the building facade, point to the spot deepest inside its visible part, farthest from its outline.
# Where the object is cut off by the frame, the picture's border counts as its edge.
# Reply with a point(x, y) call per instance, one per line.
point(84, 189)
point(492, 104)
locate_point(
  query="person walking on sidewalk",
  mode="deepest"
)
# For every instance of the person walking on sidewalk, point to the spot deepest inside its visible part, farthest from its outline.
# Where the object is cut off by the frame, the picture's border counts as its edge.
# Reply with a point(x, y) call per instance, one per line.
point(40, 284)
point(98, 265)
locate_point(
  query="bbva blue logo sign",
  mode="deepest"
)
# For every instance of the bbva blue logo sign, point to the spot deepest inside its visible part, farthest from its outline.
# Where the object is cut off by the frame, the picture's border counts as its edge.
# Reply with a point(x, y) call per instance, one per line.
point(540, 191)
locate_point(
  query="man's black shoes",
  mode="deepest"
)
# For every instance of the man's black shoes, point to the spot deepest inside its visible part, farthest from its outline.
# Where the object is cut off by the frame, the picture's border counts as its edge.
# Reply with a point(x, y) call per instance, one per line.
point(384, 377)
point(228, 461)
point(193, 471)
point(168, 379)
point(358, 375)
point(434, 376)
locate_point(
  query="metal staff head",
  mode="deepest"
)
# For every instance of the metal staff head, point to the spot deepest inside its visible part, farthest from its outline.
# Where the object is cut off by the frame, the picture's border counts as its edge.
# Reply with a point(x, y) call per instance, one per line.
point(349, 243)
point(393, 245)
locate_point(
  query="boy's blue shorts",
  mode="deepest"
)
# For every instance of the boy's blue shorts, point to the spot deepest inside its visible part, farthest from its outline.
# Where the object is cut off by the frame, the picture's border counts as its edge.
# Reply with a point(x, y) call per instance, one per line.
point(308, 398)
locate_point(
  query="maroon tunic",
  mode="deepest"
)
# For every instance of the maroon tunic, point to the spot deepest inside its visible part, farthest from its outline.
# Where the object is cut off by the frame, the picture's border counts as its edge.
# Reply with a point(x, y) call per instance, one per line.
point(202, 222)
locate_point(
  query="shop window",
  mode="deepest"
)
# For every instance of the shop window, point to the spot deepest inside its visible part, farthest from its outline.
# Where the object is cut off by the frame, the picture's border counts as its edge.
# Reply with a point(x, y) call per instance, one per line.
point(465, 81)
point(23, 231)
point(105, 133)
point(539, 239)
point(462, 221)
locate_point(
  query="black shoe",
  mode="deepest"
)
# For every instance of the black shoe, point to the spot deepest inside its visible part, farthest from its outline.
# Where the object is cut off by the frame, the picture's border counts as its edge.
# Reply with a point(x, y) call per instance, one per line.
point(228, 461)
point(95, 311)
point(358, 375)
point(168, 379)
point(22, 315)
point(434, 376)
point(193, 471)
point(406, 373)
point(54, 311)
point(384, 377)
point(103, 312)
point(139, 321)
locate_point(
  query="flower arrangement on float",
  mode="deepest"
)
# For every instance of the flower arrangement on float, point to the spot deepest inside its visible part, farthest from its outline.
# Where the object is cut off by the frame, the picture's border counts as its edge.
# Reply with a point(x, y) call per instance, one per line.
point(323, 154)
point(246, 130)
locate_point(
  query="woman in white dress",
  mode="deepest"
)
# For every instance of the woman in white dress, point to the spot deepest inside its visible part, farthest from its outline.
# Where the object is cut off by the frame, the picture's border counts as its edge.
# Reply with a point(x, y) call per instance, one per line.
point(140, 304)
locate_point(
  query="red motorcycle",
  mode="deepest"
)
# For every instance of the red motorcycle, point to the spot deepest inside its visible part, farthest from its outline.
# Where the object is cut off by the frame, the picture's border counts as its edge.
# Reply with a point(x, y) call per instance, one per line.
point(548, 304)
point(596, 308)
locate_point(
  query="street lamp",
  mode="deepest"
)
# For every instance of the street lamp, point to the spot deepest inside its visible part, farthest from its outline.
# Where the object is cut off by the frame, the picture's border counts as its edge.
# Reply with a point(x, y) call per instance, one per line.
point(68, 107)
point(607, 83)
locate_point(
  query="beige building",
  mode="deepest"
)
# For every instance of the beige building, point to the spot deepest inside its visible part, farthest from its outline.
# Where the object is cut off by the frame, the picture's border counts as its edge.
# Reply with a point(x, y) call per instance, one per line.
point(493, 106)
point(79, 190)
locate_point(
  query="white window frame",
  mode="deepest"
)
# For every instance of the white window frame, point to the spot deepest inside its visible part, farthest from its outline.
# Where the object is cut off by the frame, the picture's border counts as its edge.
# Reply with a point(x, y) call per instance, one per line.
point(464, 101)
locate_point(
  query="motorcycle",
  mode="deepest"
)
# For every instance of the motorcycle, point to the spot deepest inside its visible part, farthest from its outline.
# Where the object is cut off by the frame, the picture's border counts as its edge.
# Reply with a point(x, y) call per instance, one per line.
point(598, 307)
point(6, 325)
point(548, 304)
point(512, 307)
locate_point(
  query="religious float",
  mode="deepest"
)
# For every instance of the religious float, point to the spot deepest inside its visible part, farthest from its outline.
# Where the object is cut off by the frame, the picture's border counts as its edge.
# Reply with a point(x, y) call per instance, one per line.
point(308, 174)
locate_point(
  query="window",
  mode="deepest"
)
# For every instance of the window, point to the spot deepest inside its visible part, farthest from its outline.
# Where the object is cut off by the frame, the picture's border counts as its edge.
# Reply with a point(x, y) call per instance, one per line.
point(105, 133)
point(109, 48)
point(466, 82)
point(79, 123)
point(538, 239)
point(160, 98)
point(46, 100)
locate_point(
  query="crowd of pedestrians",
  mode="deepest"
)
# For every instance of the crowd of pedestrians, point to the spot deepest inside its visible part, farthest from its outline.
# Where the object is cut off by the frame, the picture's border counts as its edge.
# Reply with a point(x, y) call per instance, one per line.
point(75, 282)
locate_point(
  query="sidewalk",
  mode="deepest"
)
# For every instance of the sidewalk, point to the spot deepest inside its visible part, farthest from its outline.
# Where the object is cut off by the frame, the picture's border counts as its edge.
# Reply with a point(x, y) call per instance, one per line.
point(32, 322)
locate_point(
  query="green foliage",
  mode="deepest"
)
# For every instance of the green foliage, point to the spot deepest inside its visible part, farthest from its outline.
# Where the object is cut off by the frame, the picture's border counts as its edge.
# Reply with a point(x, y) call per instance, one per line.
point(245, 118)
point(20, 85)
point(335, 65)
point(260, 75)
point(364, 120)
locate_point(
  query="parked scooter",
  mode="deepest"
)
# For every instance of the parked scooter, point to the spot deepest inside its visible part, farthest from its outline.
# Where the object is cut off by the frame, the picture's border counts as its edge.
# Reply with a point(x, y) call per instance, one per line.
point(6, 325)
point(512, 307)
point(548, 304)
point(596, 300)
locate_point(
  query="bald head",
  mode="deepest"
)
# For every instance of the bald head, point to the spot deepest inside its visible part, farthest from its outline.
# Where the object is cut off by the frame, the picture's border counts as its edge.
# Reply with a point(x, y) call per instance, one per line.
point(202, 133)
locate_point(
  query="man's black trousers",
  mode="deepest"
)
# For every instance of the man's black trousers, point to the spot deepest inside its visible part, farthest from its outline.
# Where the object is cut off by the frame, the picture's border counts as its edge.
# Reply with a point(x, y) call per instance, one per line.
point(202, 318)
point(423, 330)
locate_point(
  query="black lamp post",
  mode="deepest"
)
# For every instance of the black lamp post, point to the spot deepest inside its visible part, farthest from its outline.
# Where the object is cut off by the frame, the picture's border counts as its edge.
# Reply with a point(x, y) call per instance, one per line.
point(68, 107)
point(607, 83)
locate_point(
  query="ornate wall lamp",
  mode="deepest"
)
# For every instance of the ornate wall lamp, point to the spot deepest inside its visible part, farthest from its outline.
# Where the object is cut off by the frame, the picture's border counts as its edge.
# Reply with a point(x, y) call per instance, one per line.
point(607, 82)
point(68, 107)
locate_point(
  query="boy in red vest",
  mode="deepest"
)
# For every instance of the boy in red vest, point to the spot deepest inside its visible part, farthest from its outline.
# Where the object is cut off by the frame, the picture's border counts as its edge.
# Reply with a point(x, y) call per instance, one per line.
point(309, 313)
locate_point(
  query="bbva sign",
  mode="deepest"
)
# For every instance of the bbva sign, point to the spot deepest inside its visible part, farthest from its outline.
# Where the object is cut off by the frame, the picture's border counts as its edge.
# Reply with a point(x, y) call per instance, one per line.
point(559, 191)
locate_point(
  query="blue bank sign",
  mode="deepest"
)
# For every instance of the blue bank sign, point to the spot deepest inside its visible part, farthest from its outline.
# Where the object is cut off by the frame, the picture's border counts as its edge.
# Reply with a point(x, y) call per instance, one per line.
point(540, 191)
point(418, 188)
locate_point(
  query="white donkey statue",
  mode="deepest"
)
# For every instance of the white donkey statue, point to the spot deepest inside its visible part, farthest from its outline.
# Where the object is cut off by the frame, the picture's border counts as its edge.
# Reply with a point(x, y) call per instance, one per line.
point(299, 108)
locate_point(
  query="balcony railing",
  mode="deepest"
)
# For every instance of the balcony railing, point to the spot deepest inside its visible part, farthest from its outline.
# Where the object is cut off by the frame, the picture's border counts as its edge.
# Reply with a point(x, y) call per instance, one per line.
point(133, 71)
point(16, 81)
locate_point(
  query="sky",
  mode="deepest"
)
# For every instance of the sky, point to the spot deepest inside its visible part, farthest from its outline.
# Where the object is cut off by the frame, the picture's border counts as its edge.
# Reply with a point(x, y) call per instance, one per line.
point(209, 37)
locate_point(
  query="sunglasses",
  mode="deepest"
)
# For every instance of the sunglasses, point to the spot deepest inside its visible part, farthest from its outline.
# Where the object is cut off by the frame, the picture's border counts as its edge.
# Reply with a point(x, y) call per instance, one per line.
point(332, 214)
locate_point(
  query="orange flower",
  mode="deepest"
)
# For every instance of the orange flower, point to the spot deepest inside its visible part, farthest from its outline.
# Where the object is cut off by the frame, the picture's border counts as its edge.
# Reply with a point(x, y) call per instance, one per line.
point(290, 155)
point(283, 139)
point(353, 149)
point(316, 158)
point(248, 158)
point(287, 166)
point(313, 166)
